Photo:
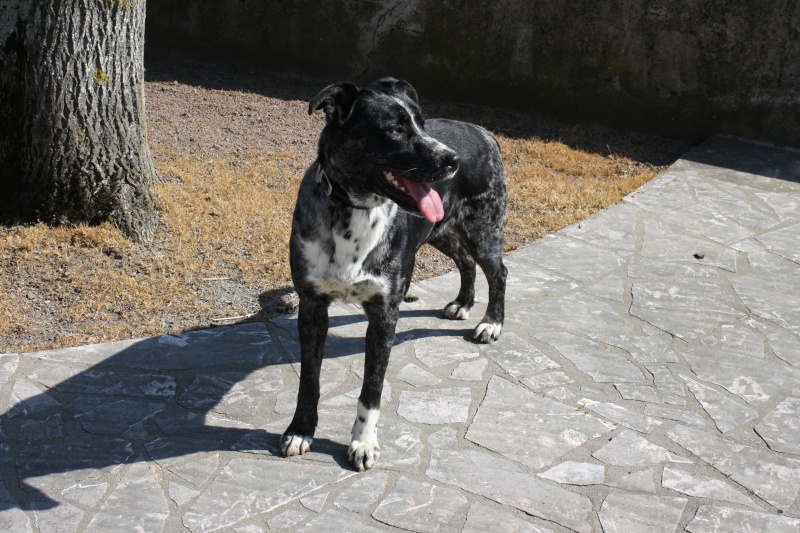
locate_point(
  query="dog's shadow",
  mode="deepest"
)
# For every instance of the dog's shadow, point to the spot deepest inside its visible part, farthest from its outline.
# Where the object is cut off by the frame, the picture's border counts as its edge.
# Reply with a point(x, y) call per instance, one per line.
point(78, 413)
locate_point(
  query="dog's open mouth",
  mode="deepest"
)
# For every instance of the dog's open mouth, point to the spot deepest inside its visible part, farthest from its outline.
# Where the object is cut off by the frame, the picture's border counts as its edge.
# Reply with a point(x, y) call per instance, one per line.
point(427, 200)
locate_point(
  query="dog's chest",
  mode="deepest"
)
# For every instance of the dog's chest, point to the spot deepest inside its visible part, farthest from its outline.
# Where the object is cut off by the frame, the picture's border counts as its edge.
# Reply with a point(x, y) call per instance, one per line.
point(338, 271)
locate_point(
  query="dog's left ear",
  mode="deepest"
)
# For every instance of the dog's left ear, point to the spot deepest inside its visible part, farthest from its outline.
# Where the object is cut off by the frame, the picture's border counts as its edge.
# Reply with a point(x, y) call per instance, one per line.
point(336, 101)
point(397, 87)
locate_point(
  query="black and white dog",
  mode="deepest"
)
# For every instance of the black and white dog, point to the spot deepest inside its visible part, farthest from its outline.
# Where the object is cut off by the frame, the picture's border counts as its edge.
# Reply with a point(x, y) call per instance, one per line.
point(385, 182)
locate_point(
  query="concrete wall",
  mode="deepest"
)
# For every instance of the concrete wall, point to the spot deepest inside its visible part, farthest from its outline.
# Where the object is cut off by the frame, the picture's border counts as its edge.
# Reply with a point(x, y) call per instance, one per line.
point(686, 68)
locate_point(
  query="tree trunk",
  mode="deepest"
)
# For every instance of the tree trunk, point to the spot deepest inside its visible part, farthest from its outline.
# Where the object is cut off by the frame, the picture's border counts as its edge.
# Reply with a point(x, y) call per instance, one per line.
point(84, 156)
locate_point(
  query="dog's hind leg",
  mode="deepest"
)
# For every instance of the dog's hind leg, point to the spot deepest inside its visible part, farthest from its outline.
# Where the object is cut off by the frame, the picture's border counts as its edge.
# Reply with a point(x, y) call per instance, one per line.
point(364, 449)
point(312, 325)
point(459, 308)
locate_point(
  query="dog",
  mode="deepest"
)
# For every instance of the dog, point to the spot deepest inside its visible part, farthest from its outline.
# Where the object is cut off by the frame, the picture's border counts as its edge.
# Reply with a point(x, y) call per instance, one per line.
point(385, 182)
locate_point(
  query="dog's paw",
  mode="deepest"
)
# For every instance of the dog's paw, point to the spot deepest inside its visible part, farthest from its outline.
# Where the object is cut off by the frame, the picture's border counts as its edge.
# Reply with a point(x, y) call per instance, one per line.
point(455, 311)
point(294, 444)
point(487, 332)
point(363, 455)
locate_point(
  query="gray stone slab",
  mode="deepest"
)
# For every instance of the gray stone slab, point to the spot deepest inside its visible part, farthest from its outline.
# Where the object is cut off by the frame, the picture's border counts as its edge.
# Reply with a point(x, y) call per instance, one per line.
point(643, 348)
point(575, 259)
point(780, 428)
point(548, 379)
point(364, 492)
point(105, 416)
point(714, 519)
point(105, 382)
point(8, 365)
point(709, 223)
point(609, 288)
point(783, 342)
point(37, 430)
point(679, 415)
point(440, 406)
point(668, 387)
point(414, 375)
point(481, 518)
point(535, 435)
point(629, 449)
point(236, 394)
point(136, 503)
point(27, 398)
point(50, 465)
point(443, 350)
point(733, 203)
point(785, 204)
point(641, 481)
point(249, 487)
point(335, 522)
point(62, 517)
point(772, 476)
point(470, 370)
point(504, 482)
point(681, 311)
point(753, 380)
point(191, 422)
point(700, 486)
point(420, 506)
point(599, 362)
point(577, 313)
point(197, 472)
point(695, 274)
point(611, 229)
point(783, 242)
point(87, 494)
point(737, 338)
point(762, 261)
point(662, 243)
point(625, 417)
point(444, 438)
point(772, 298)
point(518, 356)
point(669, 192)
point(633, 513)
point(575, 473)
point(12, 517)
point(532, 282)
point(642, 393)
point(245, 344)
point(288, 519)
point(180, 494)
point(315, 502)
point(726, 413)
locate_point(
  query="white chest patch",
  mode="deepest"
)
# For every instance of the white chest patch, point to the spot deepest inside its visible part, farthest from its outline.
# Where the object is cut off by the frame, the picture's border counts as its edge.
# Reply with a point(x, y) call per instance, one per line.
point(341, 274)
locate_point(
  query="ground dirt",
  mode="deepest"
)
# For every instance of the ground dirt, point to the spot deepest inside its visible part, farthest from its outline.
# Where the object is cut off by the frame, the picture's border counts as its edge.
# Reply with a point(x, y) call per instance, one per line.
point(231, 144)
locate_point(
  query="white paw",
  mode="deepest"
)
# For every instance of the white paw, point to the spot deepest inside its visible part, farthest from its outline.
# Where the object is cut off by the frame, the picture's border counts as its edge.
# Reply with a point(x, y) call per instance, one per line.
point(295, 444)
point(363, 455)
point(455, 311)
point(487, 331)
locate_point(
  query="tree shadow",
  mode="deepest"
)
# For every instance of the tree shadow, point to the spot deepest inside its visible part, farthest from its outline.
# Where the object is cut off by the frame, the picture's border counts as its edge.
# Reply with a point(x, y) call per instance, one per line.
point(79, 413)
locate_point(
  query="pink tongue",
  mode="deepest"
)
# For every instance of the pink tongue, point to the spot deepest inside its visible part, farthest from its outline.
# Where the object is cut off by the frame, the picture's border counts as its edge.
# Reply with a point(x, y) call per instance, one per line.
point(428, 200)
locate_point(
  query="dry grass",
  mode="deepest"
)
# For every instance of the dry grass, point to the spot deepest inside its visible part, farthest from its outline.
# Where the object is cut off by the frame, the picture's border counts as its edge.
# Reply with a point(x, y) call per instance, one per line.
point(224, 238)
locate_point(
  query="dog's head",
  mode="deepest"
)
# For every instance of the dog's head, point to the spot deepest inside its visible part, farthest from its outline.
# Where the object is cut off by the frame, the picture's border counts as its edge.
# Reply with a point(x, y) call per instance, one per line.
point(374, 143)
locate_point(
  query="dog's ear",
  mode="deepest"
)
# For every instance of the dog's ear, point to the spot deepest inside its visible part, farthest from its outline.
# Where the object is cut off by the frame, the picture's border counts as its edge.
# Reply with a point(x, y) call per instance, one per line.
point(396, 87)
point(336, 101)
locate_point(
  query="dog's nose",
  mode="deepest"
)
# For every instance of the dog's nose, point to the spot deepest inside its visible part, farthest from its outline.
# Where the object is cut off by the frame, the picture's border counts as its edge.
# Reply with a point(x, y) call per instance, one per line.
point(451, 161)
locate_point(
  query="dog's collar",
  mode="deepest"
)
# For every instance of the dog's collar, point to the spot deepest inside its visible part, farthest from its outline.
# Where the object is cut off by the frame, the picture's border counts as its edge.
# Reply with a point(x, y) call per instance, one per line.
point(334, 191)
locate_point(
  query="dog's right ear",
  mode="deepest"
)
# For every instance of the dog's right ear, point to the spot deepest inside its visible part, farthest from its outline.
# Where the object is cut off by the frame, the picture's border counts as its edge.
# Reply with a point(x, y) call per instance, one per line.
point(336, 101)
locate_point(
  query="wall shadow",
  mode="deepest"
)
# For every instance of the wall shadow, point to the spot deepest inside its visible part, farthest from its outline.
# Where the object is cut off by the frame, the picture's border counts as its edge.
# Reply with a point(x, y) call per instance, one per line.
point(158, 399)
point(589, 137)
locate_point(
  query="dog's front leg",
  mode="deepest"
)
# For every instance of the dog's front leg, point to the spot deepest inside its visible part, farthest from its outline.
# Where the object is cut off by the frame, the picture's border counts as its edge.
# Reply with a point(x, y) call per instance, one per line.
point(364, 450)
point(312, 325)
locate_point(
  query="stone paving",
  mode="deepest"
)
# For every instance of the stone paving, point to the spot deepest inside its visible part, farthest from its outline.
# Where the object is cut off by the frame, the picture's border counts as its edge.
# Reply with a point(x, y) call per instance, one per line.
point(647, 380)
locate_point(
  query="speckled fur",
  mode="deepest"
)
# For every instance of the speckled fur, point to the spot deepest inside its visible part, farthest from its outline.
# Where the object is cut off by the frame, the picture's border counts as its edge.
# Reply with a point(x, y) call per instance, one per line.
point(354, 237)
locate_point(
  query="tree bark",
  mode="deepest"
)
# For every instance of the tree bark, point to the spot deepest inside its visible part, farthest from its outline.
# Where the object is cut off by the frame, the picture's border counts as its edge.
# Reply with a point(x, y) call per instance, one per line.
point(84, 155)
